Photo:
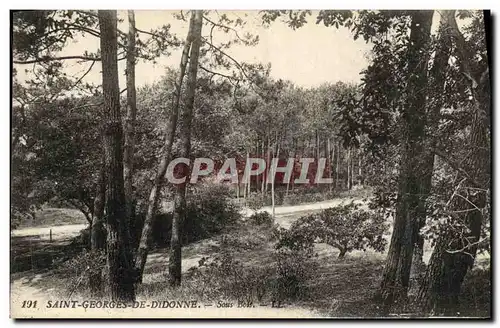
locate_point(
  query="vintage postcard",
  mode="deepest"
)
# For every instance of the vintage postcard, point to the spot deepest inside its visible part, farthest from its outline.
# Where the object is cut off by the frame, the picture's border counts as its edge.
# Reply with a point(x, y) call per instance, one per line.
point(250, 164)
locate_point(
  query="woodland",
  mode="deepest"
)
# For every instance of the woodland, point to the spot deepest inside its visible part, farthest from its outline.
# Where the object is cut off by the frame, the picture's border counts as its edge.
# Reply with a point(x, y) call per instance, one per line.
point(407, 229)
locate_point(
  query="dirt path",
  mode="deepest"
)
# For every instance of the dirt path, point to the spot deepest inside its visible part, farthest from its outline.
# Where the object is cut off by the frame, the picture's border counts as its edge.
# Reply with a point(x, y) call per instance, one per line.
point(58, 232)
point(68, 231)
point(23, 289)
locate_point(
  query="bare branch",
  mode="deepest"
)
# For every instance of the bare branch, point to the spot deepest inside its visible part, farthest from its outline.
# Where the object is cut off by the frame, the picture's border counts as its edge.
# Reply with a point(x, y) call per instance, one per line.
point(49, 59)
point(216, 73)
point(455, 166)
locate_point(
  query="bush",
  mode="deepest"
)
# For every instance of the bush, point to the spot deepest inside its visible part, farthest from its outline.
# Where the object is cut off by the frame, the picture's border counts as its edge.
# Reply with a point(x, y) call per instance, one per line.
point(209, 210)
point(294, 264)
point(261, 218)
point(294, 268)
point(345, 227)
point(80, 268)
point(475, 299)
point(223, 277)
point(257, 200)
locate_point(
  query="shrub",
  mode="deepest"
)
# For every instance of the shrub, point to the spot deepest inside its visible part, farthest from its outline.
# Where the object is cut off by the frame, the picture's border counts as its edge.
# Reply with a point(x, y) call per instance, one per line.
point(475, 299)
point(209, 210)
point(80, 268)
point(294, 264)
point(223, 277)
point(257, 200)
point(261, 218)
point(345, 227)
point(294, 268)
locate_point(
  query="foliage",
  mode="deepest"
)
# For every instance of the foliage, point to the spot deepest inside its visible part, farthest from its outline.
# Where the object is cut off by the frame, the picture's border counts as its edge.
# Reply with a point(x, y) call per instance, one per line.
point(55, 155)
point(261, 218)
point(223, 277)
point(208, 211)
point(345, 227)
point(81, 267)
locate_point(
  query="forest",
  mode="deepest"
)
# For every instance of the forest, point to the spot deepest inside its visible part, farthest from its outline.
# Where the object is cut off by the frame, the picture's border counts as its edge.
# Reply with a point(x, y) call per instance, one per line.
point(401, 228)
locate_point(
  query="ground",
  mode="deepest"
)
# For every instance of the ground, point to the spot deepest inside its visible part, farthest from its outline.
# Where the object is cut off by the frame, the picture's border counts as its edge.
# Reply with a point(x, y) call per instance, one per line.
point(340, 287)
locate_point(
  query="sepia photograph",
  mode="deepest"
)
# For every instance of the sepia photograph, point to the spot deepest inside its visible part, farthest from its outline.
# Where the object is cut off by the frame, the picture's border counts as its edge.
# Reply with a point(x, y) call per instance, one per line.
point(257, 164)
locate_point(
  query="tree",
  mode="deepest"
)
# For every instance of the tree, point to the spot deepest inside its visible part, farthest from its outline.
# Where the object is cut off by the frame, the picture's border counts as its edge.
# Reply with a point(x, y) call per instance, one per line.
point(175, 259)
point(128, 153)
point(456, 246)
point(345, 227)
point(405, 224)
point(154, 196)
point(121, 273)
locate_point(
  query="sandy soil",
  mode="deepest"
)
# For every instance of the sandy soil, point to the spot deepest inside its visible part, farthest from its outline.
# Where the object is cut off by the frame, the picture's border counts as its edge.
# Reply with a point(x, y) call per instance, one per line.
point(23, 289)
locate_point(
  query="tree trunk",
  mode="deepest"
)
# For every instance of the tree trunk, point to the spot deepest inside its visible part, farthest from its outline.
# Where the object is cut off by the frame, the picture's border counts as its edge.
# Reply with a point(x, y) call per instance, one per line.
point(245, 189)
point(121, 273)
point(349, 173)
point(451, 259)
point(338, 165)
point(400, 254)
point(352, 168)
point(291, 176)
point(329, 155)
point(249, 181)
point(262, 175)
point(268, 161)
point(360, 171)
point(437, 83)
point(273, 176)
point(97, 231)
point(128, 154)
point(154, 196)
point(175, 259)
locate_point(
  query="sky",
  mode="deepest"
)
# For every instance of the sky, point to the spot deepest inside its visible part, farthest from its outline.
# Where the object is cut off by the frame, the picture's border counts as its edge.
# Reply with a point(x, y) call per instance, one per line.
point(309, 56)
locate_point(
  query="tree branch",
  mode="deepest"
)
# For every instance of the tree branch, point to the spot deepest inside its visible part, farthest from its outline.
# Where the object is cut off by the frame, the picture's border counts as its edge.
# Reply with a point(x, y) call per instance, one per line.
point(49, 59)
point(455, 166)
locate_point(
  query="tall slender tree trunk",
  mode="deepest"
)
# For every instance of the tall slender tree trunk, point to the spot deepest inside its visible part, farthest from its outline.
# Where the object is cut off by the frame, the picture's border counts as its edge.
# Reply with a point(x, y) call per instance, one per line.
point(249, 181)
point(263, 173)
point(121, 274)
point(360, 171)
point(349, 173)
point(400, 254)
point(268, 161)
point(98, 232)
point(338, 165)
point(175, 259)
point(329, 155)
point(291, 176)
point(273, 176)
point(128, 154)
point(245, 189)
point(154, 196)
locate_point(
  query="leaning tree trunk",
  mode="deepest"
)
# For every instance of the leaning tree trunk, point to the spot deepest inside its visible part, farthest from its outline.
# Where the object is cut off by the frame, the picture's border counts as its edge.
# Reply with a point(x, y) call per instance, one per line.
point(453, 256)
point(175, 259)
point(121, 273)
point(400, 254)
point(128, 153)
point(154, 196)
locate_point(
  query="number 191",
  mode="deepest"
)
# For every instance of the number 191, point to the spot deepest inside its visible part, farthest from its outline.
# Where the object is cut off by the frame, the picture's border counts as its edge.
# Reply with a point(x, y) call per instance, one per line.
point(29, 304)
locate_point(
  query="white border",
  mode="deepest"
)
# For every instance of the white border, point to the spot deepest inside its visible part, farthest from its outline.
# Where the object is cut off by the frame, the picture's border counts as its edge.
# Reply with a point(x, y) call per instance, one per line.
point(149, 4)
